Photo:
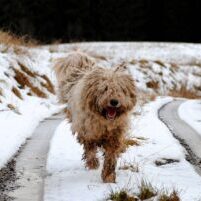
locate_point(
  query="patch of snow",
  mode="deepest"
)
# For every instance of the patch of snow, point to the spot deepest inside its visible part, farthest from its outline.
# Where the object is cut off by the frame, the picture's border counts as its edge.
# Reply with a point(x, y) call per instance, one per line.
point(15, 128)
point(190, 112)
point(69, 180)
point(20, 114)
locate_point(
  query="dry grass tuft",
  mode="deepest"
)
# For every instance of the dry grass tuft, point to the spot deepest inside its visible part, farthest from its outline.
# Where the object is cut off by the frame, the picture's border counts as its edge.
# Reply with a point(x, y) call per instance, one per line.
point(131, 142)
point(26, 70)
point(146, 191)
point(173, 196)
point(11, 39)
point(48, 84)
point(131, 167)
point(23, 80)
point(184, 93)
point(143, 61)
point(133, 62)
point(160, 63)
point(121, 196)
point(17, 93)
point(153, 84)
point(12, 107)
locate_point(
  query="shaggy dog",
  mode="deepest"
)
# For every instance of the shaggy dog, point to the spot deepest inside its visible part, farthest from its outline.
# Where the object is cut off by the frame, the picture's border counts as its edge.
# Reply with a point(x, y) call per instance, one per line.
point(99, 101)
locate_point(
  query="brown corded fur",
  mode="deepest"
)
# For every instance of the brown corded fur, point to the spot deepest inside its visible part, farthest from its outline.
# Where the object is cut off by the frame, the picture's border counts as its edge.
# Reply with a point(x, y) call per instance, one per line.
point(88, 91)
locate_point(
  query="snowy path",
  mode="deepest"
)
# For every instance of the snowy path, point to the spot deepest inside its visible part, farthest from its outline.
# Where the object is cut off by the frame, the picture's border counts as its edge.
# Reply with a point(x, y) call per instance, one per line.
point(69, 180)
point(187, 136)
point(31, 162)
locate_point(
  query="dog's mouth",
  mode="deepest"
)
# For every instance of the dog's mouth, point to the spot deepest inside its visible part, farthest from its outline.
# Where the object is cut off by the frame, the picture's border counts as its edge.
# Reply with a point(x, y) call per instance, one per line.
point(110, 113)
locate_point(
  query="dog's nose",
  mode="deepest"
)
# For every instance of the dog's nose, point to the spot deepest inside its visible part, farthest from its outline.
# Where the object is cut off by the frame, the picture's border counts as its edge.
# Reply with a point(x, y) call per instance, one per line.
point(114, 102)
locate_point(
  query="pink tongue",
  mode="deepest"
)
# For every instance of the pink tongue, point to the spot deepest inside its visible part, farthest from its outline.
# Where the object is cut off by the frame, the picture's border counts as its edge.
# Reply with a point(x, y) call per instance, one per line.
point(111, 112)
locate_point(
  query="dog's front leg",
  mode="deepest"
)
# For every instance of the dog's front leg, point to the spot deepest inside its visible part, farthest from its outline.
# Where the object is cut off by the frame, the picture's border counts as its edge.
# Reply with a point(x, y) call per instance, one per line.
point(90, 150)
point(108, 172)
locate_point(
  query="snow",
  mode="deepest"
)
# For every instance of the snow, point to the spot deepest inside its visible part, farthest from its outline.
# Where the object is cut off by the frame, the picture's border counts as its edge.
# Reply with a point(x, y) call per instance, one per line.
point(15, 129)
point(170, 65)
point(68, 179)
point(20, 116)
point(190, 112)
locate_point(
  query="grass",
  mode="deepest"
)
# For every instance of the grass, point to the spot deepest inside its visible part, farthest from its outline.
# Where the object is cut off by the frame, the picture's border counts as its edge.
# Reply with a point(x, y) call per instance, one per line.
point(184, 92)
point(23, 80)
point(160, 63)
point(153, 84)
point(17, 93)
point(146, 192)
point(10, 106)
point(13, 108)
point(11, 39)
point(143, 62)
point(122, 195)
point(48, 84)
point(131, 142)
point(26, 70)
point(165, 196)
point(132, 167)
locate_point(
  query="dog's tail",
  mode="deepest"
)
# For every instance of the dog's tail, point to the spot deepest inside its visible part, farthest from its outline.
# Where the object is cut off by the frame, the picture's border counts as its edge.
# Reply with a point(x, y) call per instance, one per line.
point(69, 70)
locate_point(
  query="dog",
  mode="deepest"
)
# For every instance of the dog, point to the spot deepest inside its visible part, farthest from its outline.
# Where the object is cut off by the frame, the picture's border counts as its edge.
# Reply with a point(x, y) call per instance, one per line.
point(99, 102)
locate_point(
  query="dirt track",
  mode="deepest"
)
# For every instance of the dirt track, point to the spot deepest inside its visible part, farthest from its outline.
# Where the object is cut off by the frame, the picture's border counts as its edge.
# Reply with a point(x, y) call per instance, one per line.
point(186, 135)
point(23, 180)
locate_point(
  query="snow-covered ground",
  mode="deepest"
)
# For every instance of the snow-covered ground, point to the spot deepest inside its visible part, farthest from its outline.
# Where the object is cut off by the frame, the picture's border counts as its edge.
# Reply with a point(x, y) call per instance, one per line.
point(190, 112)
point(69, 180)
point(157, 68)
point(24, 96)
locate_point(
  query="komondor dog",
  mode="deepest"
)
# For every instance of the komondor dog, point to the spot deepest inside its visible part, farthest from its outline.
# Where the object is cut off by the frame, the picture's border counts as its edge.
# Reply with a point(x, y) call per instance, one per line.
point(99, 103)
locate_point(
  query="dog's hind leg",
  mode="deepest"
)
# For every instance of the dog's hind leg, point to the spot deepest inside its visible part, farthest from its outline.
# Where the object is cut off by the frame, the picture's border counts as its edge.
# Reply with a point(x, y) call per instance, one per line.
point(90, 150)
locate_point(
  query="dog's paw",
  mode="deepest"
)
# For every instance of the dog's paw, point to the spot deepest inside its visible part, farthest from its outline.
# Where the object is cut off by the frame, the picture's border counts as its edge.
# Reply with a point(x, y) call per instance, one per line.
point(111, 178)
point(92, 164)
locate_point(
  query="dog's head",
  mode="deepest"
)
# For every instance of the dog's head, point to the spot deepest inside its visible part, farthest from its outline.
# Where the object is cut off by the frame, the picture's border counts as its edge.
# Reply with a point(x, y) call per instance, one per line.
point(109, 92)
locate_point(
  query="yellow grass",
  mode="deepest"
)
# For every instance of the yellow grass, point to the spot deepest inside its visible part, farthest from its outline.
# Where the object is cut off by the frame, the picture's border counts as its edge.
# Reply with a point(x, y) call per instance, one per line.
point(184, 93)
point(11, 39)
point(17, 93)
point(23, 80)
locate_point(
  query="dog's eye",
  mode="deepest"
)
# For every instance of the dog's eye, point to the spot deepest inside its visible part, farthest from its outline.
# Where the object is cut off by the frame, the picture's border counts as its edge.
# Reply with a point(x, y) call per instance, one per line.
point(106, 88)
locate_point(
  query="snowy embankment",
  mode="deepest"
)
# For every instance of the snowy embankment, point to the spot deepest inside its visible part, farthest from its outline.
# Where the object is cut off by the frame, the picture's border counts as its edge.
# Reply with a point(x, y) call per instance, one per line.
point(190, 112)
point(158, 68)
point(26, 96)
point(159, 159)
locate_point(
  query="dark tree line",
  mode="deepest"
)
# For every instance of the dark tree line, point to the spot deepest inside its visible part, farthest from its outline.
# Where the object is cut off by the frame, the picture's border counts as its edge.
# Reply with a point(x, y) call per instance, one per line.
point(103, 20)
